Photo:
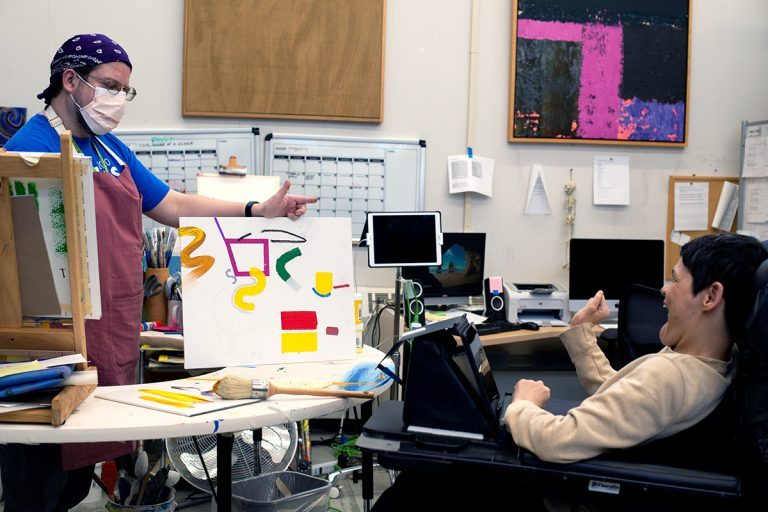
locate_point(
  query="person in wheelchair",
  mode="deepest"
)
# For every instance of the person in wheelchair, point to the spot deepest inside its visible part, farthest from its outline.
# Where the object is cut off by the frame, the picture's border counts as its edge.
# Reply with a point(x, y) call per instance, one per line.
point(657, 395)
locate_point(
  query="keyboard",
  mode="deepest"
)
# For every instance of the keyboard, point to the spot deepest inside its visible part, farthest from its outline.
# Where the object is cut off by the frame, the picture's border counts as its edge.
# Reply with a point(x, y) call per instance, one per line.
point(495, 327)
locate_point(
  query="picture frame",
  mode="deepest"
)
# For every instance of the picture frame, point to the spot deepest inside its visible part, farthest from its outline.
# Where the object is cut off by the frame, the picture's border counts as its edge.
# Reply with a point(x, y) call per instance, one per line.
point(600, 72)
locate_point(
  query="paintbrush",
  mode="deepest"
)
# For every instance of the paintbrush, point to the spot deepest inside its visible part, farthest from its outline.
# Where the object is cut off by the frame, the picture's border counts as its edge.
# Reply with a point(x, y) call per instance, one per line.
point(238, 388)
point(149, 476)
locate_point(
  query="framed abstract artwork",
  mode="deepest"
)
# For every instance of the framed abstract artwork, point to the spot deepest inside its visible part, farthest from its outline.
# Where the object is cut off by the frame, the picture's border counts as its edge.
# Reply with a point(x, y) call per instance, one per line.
point(600, 72)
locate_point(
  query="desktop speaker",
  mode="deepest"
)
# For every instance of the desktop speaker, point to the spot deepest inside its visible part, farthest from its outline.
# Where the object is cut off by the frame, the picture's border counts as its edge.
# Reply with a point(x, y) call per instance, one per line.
point(493, 298)
point(413, 304)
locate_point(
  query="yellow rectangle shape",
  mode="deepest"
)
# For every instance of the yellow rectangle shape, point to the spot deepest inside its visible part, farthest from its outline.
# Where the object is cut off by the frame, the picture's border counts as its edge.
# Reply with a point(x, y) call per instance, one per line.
point(299, 342)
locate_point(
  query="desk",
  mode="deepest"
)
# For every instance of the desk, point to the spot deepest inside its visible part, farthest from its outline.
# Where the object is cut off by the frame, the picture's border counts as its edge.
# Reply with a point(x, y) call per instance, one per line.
point(503, 338)
point(104, 420)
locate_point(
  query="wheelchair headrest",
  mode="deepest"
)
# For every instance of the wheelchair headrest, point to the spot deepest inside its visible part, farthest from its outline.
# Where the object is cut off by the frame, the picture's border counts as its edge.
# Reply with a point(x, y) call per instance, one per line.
point(760, 283)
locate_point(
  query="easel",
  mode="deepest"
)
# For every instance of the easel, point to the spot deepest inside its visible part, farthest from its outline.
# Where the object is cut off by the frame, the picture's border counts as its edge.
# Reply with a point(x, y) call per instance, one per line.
point(42, 341)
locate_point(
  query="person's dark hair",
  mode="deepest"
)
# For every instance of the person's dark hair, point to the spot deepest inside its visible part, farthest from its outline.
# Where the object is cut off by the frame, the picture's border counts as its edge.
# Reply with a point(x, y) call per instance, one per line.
point(732, 260)
point(55, 85)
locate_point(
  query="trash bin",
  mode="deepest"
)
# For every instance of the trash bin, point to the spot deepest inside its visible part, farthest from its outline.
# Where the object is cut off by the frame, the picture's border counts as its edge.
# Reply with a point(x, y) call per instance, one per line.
point(281, 491)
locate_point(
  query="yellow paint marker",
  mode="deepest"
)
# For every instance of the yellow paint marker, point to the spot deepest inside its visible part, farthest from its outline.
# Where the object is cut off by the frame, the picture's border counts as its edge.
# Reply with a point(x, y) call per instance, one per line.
point(166, 401)
point(181, 397)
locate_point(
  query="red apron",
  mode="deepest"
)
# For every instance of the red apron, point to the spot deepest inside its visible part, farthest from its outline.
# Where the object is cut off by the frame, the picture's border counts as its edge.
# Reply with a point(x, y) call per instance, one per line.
point(113, 342)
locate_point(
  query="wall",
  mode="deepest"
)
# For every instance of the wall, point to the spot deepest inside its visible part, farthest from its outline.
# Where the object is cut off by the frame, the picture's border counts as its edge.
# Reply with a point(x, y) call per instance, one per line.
point(426, 84)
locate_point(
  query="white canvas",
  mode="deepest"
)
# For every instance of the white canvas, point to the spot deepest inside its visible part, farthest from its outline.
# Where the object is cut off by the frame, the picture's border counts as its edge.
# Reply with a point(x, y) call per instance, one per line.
point(49, 199)
point(295, 304)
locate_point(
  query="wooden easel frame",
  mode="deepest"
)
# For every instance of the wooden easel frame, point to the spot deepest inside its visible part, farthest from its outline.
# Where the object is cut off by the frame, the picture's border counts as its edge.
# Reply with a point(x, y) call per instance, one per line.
point(42, 341)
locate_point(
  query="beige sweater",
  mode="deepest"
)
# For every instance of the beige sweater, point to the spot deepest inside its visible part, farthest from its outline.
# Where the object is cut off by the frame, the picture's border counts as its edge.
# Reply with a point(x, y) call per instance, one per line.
point(652, 397)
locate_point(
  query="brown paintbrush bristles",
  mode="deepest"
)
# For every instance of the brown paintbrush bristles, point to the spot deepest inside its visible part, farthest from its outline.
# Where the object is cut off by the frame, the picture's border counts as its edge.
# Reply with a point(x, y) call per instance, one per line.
point(238, 388)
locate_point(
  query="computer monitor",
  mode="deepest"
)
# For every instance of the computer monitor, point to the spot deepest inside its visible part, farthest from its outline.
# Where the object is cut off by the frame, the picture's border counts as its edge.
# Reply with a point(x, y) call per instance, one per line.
point(612, 265)
point(460, 275)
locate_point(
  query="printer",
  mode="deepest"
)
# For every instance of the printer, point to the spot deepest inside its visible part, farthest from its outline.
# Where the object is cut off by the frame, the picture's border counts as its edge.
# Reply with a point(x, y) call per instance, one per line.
point(545, 304)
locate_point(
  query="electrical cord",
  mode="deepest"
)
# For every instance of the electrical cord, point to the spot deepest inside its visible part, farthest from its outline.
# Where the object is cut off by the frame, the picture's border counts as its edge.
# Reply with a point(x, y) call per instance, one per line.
point(347, 449)
point(376, 329)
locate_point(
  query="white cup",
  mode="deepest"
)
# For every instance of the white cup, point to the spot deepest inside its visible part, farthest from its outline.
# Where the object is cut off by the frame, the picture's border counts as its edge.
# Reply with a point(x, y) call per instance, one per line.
point(175, 315)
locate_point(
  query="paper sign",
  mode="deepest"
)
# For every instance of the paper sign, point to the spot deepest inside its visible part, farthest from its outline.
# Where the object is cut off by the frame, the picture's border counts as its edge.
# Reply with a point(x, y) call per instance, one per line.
point(691, 206)
point(537, 202)
point(726, 207)
point(611, 180)
point(470, 174)
point(755, 154)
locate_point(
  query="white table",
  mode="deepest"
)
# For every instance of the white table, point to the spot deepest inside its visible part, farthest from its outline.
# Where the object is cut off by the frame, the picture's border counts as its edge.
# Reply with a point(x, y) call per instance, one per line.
point(103, 420)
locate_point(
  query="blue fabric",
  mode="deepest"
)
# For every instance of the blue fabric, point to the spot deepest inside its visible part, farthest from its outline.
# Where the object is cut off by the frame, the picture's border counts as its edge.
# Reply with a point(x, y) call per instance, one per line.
point(55, 372)
point(38, 136)
point(37, 380)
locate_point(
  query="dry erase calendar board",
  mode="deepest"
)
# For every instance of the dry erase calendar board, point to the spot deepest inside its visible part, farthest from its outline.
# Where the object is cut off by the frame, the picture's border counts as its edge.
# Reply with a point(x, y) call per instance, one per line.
point(178, 156)
point(350, 175)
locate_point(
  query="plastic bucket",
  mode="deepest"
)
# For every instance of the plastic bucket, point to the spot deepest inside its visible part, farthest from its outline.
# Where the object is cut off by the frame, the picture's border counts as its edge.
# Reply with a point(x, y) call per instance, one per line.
point(166, 506)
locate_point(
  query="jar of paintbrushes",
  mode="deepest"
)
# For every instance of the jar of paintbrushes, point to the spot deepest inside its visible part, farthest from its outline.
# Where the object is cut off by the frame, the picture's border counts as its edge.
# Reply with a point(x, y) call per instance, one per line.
point(158, 248)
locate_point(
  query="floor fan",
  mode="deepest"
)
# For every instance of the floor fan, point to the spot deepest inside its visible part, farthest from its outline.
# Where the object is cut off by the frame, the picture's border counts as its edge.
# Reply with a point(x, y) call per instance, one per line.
point(278, 448)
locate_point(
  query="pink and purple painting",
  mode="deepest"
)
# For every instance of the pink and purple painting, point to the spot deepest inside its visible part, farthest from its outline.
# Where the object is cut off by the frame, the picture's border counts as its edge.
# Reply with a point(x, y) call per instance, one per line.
point(600, 71)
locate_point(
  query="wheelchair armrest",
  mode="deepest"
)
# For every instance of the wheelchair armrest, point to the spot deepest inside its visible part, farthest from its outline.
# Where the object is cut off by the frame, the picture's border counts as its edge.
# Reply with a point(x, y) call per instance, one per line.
point(616, 470)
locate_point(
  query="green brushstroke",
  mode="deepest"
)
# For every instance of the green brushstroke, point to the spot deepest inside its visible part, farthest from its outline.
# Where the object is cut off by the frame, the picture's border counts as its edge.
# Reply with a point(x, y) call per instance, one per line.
point(32, 190)
point(283, 260)
point(18, 189)
point(57, 221)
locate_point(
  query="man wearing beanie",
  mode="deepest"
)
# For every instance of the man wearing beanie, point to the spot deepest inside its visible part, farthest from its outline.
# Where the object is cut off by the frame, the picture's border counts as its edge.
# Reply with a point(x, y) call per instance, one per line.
point(87, 93)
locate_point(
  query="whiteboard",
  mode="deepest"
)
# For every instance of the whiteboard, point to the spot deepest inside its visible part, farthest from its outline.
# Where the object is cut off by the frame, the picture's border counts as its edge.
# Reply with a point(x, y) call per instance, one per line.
point(350, 175)
point(177, 156)
point(753, 182)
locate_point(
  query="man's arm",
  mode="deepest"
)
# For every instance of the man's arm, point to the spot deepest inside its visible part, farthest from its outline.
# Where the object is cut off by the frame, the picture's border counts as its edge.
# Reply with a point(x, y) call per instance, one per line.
point(639, 407)
point(175, 205)
point(592, 366)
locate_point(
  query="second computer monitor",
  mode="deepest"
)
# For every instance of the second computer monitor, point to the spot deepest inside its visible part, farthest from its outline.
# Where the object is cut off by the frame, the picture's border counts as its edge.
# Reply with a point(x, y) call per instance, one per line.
point(461, 274)
point(612, 265)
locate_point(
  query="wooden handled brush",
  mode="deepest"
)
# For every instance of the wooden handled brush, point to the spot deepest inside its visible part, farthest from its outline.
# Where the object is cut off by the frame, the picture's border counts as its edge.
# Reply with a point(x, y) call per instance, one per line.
point(238, 388)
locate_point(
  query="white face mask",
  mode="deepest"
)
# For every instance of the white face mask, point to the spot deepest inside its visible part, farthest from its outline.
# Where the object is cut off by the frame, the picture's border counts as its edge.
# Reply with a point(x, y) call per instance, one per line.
point(103, 114)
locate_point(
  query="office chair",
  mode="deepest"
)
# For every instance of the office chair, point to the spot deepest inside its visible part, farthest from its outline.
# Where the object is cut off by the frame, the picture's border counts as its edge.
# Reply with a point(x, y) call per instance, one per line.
point(721, 463)
point(641, 315)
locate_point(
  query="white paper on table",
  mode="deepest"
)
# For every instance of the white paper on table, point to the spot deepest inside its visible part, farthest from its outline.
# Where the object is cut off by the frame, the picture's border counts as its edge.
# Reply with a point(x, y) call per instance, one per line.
point(755, 155)
point(756, 200)
point(691, 206)
point(726, 207)
point(611, 180)
point(537, 199)
point(470, 174)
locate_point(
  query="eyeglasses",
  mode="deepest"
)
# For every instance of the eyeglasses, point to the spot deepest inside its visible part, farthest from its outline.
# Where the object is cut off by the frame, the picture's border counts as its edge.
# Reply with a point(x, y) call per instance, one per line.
point(114, 88)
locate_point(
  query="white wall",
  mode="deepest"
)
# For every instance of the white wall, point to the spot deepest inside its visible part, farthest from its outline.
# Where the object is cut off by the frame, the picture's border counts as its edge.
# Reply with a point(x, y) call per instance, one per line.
point(426, 84)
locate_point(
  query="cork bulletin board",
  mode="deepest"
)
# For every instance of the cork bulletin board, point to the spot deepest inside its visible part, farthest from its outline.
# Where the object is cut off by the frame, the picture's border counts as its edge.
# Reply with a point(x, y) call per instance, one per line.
point(715, 187)
point(285, 59)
